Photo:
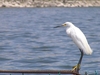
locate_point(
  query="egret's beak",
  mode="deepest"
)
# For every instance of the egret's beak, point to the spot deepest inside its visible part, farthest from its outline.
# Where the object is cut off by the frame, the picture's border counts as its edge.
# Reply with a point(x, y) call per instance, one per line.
point(60, 26)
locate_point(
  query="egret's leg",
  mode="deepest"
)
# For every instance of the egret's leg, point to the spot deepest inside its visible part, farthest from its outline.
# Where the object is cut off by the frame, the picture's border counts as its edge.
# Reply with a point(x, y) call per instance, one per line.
point(80, 57)
point(77, 67)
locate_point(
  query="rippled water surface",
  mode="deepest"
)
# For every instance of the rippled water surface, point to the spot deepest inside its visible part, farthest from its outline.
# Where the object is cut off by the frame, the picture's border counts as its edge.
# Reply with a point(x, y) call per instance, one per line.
point(28, 40)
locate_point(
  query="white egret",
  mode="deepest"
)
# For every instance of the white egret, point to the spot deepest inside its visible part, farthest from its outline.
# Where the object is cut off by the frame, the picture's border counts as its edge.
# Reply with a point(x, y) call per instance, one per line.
point(79, 39)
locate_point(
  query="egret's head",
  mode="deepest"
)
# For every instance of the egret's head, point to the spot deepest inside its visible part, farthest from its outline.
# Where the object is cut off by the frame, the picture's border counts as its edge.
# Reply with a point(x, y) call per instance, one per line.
point(68, 24)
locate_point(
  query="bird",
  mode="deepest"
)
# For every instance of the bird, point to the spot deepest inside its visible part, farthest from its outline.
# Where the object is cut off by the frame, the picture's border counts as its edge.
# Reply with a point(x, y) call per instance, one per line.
point(79, 39)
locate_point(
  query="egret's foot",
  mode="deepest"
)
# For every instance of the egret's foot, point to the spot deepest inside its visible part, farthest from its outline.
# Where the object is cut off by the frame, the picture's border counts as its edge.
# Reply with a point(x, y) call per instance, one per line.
point(77, 67)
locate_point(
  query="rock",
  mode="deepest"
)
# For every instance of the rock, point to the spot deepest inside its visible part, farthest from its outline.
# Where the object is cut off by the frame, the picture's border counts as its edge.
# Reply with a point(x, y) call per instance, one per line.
point(49, 3)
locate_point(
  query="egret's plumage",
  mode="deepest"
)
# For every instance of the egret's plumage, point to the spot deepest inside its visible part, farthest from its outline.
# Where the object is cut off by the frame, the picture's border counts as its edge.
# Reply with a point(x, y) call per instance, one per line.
point(78, 37)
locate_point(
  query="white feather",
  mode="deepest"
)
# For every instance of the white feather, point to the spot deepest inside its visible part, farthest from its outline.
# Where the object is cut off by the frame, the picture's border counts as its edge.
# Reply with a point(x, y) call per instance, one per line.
point(78, 37)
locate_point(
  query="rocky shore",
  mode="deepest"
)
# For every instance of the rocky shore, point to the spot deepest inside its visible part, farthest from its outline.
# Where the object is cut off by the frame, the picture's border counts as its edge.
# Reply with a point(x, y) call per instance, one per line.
point(49, 3)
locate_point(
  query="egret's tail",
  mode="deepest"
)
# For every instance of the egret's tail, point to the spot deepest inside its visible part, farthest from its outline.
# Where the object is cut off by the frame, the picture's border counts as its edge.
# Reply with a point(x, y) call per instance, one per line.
point(88, 50)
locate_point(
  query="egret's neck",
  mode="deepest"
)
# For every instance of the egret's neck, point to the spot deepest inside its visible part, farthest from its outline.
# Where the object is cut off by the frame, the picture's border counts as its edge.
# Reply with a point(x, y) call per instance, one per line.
point(70, 27)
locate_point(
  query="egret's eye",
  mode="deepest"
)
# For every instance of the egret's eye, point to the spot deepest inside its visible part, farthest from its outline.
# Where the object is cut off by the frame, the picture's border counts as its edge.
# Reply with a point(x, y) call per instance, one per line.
point(64, 24)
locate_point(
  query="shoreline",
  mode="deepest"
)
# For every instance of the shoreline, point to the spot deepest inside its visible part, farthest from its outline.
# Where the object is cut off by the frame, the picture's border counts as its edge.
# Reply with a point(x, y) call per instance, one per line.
point(50, 3)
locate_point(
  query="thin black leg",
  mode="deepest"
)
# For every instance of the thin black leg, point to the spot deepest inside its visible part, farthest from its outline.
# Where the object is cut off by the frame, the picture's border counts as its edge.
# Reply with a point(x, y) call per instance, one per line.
point(80, 60)
point(77, 67)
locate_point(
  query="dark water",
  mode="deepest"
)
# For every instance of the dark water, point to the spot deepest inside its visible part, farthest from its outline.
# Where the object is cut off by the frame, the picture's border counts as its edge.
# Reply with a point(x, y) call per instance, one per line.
point(28, 40)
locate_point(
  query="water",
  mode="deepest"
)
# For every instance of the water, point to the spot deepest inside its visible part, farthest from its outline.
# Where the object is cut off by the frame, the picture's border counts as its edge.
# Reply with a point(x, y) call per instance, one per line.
point(28, 40)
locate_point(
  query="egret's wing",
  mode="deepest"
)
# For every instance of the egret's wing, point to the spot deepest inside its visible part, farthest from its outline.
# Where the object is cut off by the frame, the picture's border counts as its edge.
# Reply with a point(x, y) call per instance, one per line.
point(80, 40)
